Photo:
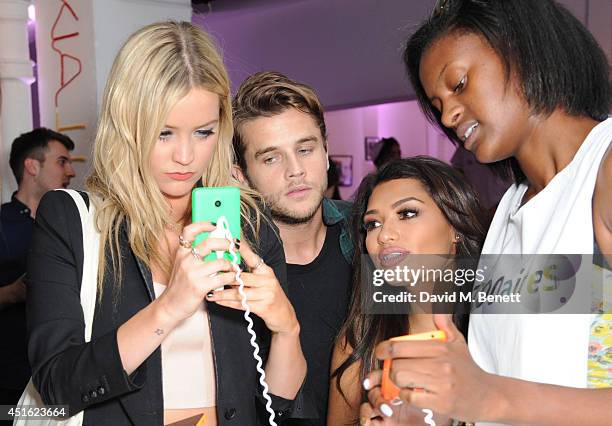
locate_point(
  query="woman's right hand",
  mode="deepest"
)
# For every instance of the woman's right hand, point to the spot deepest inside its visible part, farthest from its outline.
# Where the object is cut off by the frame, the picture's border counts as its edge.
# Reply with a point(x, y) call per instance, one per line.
point(379, 412)
point(192, 278)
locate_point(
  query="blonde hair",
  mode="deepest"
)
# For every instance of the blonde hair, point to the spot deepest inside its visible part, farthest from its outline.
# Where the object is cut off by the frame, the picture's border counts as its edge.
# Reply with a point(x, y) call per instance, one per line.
point(156, 67)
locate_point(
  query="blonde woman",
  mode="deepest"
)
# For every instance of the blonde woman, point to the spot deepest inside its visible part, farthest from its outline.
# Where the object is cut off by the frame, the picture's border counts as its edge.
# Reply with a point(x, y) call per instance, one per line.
point(159, 353)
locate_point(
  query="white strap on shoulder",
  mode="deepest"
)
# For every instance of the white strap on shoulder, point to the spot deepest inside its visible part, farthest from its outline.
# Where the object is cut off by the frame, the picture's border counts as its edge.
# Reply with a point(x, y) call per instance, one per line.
point(91, 247)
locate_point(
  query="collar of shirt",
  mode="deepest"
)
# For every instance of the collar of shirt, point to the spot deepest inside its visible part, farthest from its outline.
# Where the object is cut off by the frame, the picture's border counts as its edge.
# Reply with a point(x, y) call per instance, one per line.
point(15, 210)
point(337, 211)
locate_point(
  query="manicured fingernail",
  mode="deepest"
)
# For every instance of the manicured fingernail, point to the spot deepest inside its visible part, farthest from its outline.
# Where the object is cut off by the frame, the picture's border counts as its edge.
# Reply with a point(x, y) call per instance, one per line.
point(237, 240)
point(213, 223)
point(386, 410)
point(366, 384)
point(209, 294)
point(397, 401)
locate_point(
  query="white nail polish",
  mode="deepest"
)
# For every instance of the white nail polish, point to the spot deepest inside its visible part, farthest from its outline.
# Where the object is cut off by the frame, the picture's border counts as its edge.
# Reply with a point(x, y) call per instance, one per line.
point(366, 384)
point(386, 410)
point(397, 401)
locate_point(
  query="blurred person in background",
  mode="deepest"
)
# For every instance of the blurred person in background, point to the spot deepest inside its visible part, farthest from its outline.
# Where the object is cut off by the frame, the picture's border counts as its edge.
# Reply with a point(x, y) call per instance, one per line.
point(389, 150)
point(333, 192)
point(40, 161)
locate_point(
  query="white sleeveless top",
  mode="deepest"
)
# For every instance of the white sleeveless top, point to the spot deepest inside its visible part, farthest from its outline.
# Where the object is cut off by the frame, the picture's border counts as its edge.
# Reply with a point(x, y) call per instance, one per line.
point(188, 372)
point(545, 348)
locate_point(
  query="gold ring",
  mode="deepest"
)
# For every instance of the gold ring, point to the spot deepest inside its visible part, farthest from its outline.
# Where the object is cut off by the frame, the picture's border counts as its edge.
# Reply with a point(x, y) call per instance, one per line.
point(184, 243)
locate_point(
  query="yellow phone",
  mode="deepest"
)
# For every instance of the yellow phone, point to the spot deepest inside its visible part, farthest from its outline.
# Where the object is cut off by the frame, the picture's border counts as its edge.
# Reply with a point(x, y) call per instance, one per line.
point(389, 390)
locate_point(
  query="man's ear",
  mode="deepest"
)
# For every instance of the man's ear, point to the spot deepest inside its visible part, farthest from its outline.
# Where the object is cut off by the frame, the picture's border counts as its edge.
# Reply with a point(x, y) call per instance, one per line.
point(31, 166)
point(239, 175)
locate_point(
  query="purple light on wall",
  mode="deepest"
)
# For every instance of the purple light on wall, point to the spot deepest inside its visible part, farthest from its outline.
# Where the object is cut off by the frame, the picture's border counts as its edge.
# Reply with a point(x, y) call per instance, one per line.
point(32, 46)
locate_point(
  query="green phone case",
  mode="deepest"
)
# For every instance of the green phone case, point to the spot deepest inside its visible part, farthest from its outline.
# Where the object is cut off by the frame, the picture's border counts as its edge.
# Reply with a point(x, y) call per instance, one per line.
point(209, 204)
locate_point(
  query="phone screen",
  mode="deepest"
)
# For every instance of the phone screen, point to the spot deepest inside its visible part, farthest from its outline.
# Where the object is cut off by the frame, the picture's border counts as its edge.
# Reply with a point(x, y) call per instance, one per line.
point(210, 205)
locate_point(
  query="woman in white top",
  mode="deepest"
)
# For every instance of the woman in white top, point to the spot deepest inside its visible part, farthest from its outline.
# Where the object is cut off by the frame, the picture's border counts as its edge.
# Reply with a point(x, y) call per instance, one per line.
point(524, 86)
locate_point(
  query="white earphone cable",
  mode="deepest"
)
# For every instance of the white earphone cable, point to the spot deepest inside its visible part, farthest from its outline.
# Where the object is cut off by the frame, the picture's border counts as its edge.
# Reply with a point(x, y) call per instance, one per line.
point(223, 227)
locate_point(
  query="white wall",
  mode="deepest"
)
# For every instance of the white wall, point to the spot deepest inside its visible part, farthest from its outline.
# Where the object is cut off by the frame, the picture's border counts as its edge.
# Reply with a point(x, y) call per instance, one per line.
point(102, 27)
point(347, 130)
point(15, 80)
point(68, 108)
point(115, 20)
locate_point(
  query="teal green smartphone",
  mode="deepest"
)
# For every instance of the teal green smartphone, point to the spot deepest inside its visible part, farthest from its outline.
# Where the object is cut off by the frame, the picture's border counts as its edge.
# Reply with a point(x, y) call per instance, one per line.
point(212, 205)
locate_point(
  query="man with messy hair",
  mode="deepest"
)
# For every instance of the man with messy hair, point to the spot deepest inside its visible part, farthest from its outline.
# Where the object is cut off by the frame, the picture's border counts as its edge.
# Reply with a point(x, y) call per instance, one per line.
point(280, 141)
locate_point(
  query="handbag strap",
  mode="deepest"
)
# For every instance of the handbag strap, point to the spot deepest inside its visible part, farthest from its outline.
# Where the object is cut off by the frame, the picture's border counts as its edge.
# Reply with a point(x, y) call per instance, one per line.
point(91, 248)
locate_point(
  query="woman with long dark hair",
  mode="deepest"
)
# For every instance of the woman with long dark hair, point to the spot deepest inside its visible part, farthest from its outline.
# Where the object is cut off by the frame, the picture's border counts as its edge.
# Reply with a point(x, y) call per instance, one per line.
point(416, 206)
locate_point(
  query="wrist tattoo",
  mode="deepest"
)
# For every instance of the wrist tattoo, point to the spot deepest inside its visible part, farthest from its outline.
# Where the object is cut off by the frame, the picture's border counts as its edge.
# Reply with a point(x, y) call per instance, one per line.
point(159, 331)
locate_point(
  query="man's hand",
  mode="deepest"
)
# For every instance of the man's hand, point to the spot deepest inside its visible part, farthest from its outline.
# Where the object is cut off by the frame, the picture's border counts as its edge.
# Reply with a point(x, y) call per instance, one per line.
point(12, 293)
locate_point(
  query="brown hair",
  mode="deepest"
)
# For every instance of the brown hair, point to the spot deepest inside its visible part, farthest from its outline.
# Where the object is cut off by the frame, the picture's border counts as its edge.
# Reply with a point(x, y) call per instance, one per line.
point(268, 93)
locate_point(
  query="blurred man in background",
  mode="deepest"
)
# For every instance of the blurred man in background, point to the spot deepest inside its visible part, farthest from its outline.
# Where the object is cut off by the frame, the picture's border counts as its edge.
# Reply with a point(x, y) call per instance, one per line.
point(40, 161)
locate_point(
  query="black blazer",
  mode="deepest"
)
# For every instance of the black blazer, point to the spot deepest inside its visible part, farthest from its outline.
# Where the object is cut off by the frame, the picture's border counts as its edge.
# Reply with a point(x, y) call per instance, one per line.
point(90, 376)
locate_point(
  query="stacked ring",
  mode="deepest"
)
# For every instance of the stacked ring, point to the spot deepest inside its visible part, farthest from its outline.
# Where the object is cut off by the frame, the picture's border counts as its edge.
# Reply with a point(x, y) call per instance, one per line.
point(196, 255)
point(184, 243)
point(258, 264)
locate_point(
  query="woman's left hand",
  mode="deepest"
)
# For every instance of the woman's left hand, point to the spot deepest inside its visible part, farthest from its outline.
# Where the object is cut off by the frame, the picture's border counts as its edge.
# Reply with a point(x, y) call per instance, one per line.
point(455, 385)
point(265, 296)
